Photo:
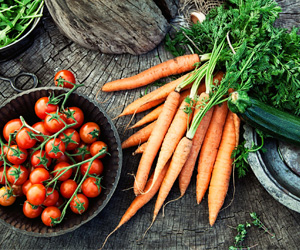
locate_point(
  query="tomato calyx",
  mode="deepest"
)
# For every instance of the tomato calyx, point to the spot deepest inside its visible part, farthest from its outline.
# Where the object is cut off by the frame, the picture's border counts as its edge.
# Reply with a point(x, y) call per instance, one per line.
point(55, 148)
point(81, 151)
point(60, 82)
point(16, 152)
point(53, 99)
point(95, 133)
point(8, 193)
point(16, 173)
point(43, 161)
point(69, 114)
point(67, 139)
point(79, 205)
point(55, 116)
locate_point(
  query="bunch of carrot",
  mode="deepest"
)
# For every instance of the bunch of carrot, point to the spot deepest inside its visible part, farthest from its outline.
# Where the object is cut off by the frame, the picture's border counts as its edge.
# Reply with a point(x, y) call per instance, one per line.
point(188, 124)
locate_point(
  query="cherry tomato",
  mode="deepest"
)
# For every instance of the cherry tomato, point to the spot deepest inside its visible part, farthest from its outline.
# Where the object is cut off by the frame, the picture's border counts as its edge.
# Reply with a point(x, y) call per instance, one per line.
point(67, 188)
point(17, 174)
point(89, 132)
point(39, 159)
point(91, 187)
point(83, 152)
point(64, 75)
point(26, 185)
point(17, 190)
point(39, 175)
point(24, 140)
point(2, 177)
point(55, 148)
point(16, 155)
point(63, 158)
point(59, 167)
point(52, 197)
point(6, 197)
point(11, 127)
point(71, 138)
point(40, 126)
point(42, 107)
point(49, 215)
point(77, 115)
point(59, 202)
point(36, 194)
point(31, 211)
point(96, 147)
point(79, 204)
point(54, 122)
point(95, 168)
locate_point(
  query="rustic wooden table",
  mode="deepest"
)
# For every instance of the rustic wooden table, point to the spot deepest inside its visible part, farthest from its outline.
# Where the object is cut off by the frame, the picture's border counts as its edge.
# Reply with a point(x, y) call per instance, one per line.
point(185, 225)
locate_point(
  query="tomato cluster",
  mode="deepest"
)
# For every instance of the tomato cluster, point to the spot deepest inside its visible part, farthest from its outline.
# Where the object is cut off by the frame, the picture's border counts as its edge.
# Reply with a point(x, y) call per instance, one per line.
point(55, 163)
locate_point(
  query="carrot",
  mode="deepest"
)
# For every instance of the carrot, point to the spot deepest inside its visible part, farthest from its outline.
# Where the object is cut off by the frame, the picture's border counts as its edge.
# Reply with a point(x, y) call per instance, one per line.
point(160, 93)
point(209, 149)
point(179, 158)
point(171, 67)
point(175, 133)
point(153, 115)
point(188, 168)
point(139, 137)
point(141, 200)
point(140, 149)
point(222, 170)
point(237, 123)
point(155, 140)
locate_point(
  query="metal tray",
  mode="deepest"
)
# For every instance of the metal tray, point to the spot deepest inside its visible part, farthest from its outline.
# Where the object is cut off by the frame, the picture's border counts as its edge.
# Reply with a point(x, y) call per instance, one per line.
point(277, 169)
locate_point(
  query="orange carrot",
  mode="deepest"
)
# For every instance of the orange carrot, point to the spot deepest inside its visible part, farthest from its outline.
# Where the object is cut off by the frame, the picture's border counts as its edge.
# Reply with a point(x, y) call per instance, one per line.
point(140, 149)
point(141, 200)
point(237, 123)
point(188, 168)
point(160, 93)
point(171, 67)
point(175, 133)
point(179, 158)
point(139, 137)
point(153, 115)
point(155, 140)
point(209, 149)
point(222, 170)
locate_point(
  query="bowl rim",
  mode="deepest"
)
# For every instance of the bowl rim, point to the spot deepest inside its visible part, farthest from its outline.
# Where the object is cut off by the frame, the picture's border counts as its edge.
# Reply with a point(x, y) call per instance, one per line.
point(120, 156)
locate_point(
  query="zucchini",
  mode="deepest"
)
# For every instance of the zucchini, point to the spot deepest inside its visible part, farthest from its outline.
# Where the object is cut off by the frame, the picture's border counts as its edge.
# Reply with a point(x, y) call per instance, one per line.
point(270, 120)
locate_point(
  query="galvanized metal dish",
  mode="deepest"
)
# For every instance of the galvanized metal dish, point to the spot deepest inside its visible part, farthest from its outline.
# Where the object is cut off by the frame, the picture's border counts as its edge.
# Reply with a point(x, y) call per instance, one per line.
point(277, 169)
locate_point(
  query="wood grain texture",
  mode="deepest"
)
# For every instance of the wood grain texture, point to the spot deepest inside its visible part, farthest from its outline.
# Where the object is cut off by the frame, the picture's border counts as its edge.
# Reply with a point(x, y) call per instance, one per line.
point(185, 225)
point(117, 27)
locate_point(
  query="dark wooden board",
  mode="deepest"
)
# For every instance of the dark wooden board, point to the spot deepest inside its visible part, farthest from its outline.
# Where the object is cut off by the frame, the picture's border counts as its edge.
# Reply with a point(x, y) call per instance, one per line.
point(185, 225)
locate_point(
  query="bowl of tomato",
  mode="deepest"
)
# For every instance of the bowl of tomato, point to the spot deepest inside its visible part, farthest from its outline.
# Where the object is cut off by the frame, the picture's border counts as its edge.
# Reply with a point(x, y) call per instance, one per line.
point(68, 175)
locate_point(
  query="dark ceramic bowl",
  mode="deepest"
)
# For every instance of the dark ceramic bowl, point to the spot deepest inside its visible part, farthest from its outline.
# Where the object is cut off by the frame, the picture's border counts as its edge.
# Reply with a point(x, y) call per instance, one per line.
point(23, 104)
point(22, 43)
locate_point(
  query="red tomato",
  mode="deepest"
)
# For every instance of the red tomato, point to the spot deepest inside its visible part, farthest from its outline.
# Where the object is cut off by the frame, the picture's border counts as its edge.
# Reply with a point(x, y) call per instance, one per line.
point(96, 167)
point(59, 202)
point(52, 197)
point(2, 177)
point(31, 211)
point(24, 140)
point(59, 167)
point(11, 127)
point(77, 115)
point(49, 215)
point(71, 138)
point(42, 107)
point(40, 126)
point(83, 152)
point(39, 175)
point(79, 204)
point(91, 187)
point(67, 188)
point(89, 132)
point(66, 75)
point(55, 148)
point(16, 155)
point(17, 174)
point(17, 190)
point(39, 159)
point(54, 122)
point(26, 185)
point(6, 197)
point(96, 147)
point(63, 158)
point(36, 194)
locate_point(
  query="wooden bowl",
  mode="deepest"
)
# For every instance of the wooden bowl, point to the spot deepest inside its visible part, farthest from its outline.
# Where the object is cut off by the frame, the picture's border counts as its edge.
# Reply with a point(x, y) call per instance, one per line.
point(23, 104)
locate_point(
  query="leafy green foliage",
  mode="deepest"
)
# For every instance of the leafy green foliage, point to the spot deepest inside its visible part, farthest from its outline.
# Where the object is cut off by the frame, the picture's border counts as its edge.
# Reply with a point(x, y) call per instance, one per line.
point(265, 59)
point(16, 17)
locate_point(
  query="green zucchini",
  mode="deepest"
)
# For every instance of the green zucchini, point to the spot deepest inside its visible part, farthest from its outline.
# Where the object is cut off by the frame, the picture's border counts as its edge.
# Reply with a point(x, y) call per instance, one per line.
point(270, 120)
